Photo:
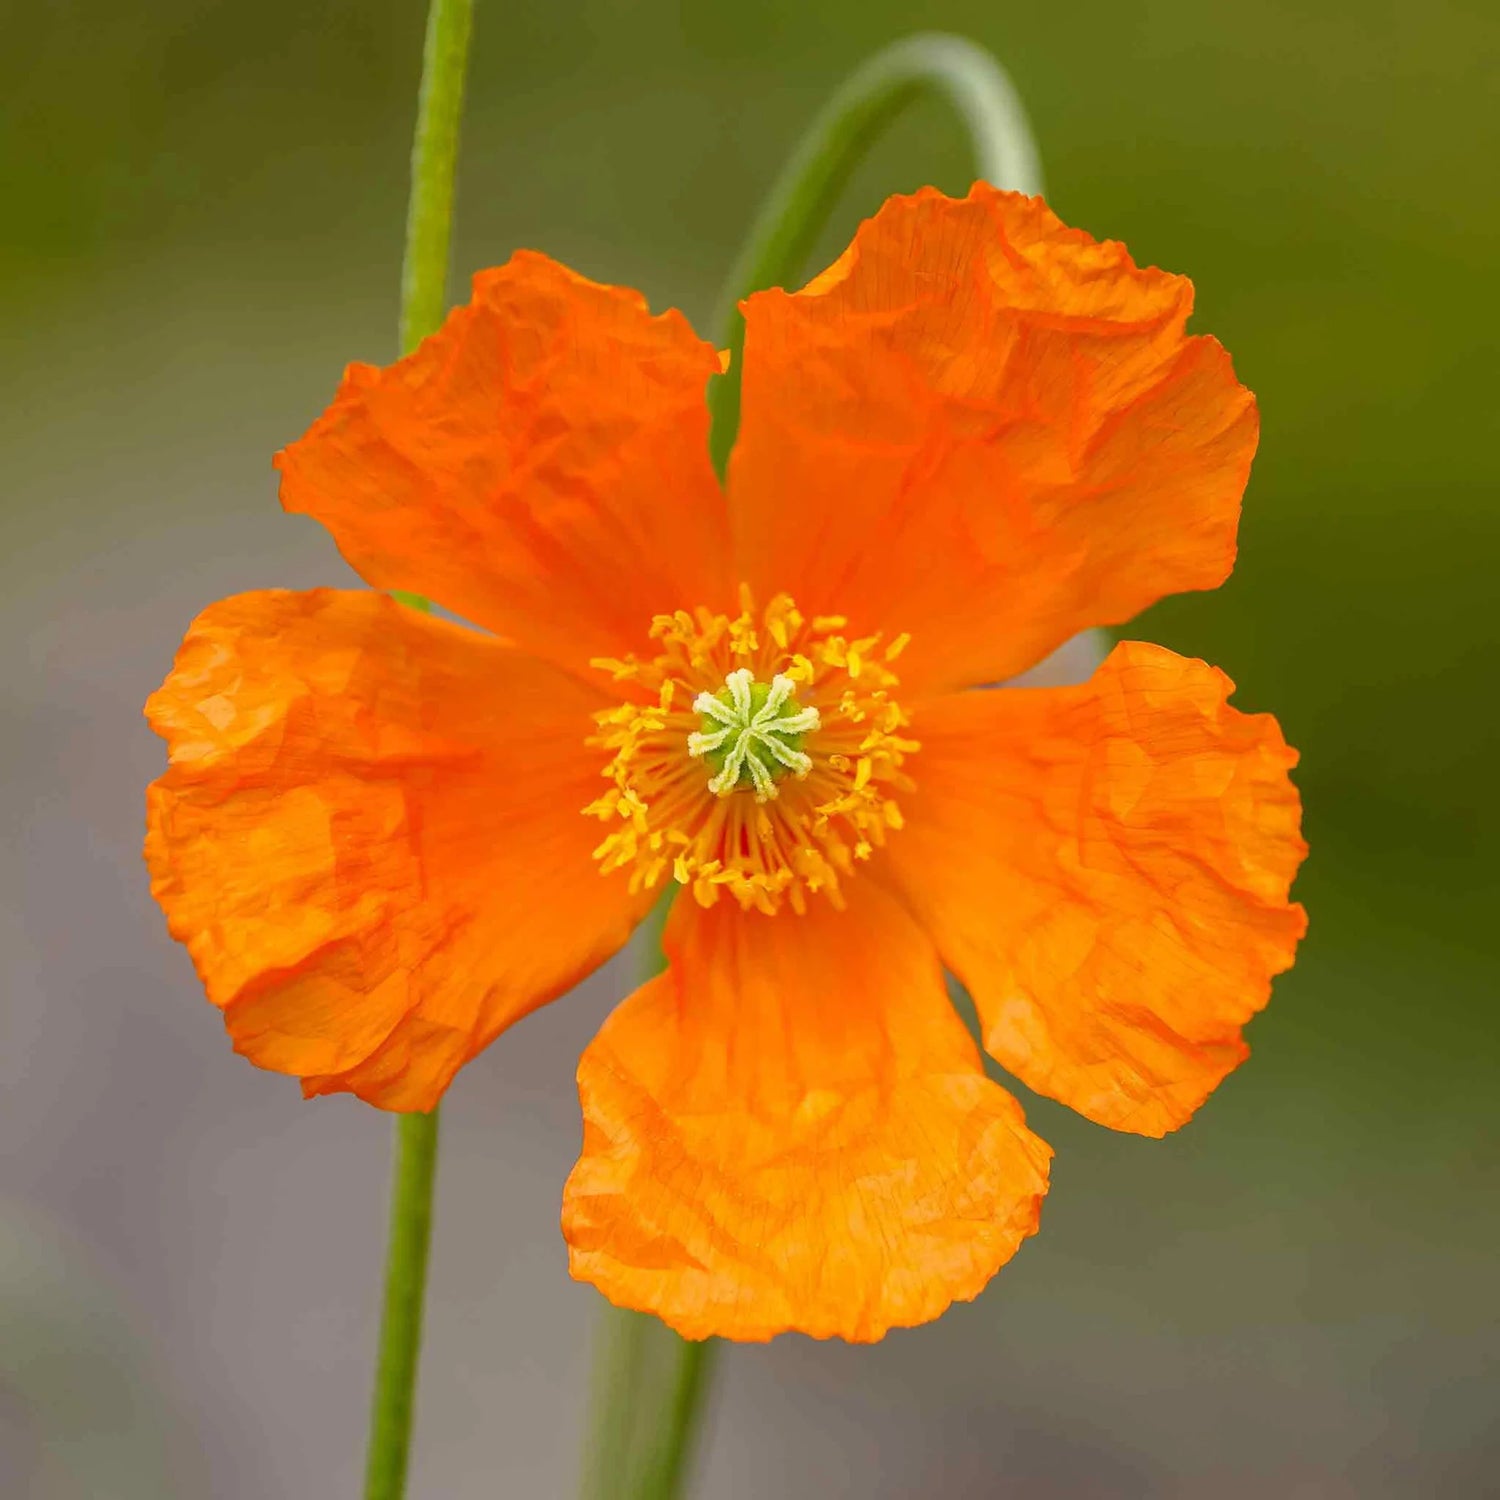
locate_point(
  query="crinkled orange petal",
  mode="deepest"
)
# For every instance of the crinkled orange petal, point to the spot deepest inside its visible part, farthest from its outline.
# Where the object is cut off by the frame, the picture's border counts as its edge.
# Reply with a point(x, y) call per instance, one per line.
point(1106, 868)
point(369, 837)
point(986, 429)
point(791, 1129)
point(539, 465)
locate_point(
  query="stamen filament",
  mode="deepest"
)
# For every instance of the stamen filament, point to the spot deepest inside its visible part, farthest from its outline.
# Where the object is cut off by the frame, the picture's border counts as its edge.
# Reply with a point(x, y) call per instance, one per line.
point(777, 782)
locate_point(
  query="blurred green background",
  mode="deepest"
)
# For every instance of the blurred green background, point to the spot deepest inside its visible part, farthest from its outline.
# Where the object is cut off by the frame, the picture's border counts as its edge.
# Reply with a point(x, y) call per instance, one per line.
point(202, 208)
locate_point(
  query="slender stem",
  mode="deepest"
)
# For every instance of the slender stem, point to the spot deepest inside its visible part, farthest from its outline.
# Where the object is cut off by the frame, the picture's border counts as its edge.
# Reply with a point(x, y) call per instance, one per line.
point(962, 74)
point(434, 165)
point(674, 1453)
point(424, 286)
point(629, 1346)
point(401, 1325)
point(610, 1459)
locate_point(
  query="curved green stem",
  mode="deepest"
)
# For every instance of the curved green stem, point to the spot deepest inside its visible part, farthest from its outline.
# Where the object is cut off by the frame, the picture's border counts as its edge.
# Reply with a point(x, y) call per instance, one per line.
point(957, 71)
point(796, 210)
point(424, 288)
point(401, 1324)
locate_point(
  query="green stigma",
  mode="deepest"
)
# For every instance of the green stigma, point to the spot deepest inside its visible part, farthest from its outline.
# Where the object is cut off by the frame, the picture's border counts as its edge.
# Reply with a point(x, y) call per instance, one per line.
point(752, 734)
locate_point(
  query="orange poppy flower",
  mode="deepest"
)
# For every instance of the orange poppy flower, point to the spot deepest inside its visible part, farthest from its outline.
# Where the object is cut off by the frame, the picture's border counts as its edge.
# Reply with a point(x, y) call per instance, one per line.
point(385, 837)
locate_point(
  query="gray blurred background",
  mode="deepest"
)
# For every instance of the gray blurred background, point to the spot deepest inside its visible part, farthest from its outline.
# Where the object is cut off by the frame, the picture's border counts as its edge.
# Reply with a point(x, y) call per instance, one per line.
point(1295, 1297)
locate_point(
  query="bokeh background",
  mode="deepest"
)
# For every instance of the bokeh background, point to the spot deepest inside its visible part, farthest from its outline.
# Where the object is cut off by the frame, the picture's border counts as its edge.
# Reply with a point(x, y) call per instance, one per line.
point(202, 206)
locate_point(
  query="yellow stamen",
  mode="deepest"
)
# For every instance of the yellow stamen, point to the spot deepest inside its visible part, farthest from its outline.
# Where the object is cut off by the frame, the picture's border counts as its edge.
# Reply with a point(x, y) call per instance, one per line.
point(755, 755)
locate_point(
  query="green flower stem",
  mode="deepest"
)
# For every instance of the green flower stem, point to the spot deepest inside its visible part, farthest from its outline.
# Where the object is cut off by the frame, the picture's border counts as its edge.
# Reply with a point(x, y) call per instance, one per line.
point(424, 288)
point(630, 1349)
point(973, 83)
point(434, 165)
point(957, 71)
point(670, 1462)
point(612, 1457)
point(401, 1325)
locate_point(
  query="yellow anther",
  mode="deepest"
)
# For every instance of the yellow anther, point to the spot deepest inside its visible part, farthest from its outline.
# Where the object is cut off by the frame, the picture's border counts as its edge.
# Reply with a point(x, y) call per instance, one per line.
point(809, 798)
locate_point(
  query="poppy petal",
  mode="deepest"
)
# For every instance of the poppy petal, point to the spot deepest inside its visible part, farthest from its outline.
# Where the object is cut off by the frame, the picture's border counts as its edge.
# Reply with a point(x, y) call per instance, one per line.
point(987, 430)
point(538, 466)
point(791, 1129)
point(369, 837)
point(1106, 868)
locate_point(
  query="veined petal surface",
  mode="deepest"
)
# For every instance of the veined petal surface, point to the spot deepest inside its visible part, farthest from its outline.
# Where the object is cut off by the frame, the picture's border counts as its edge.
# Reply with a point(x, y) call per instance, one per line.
point(1106, 868)
point(369, 837)
point(538, 466)
point(989, 430)
point(791, 1129)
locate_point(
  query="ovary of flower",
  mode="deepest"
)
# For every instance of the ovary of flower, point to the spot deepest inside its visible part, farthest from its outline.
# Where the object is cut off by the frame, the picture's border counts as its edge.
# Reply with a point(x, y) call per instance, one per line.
point(756, 739)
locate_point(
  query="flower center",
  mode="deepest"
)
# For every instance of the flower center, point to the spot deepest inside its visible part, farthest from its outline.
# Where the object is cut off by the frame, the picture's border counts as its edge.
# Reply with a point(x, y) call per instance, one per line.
point(752, 734)
point(754, 754)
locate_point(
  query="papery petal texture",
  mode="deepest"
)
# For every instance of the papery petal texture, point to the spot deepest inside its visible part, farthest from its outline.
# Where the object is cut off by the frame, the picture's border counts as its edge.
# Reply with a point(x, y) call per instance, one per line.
point(386, 836)
point(1106, 868)
point(369, 837)
point(539, 466)
point(791, 1129)
point(986, 429)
